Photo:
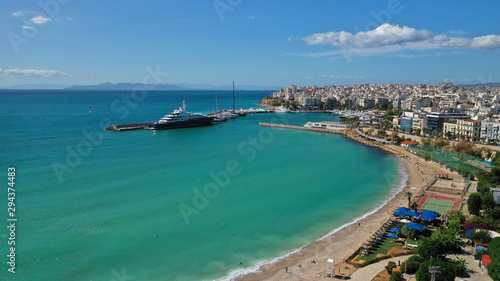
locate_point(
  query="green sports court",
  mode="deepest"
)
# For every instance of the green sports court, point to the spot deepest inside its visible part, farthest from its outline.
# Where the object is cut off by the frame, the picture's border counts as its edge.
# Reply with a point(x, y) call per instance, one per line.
point(441, 204)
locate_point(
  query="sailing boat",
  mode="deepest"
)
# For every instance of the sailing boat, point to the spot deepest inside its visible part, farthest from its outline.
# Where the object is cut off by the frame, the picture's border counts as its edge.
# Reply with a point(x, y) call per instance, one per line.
point(241, 113)
point(218, 114)
point(91, 109)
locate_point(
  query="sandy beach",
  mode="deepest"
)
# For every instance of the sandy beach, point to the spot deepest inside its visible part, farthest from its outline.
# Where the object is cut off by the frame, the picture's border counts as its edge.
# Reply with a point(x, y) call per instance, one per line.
point(310, 262)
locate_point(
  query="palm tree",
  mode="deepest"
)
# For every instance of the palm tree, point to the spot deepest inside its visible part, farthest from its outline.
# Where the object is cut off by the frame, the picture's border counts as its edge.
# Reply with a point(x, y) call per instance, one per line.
point(409, 194)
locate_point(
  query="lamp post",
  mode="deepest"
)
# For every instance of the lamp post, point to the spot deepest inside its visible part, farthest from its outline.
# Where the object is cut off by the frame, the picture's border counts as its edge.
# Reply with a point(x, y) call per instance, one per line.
point(406, 242)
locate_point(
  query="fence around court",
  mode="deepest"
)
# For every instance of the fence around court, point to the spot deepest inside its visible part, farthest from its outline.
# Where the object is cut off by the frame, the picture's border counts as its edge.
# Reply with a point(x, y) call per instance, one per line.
point(460, 162)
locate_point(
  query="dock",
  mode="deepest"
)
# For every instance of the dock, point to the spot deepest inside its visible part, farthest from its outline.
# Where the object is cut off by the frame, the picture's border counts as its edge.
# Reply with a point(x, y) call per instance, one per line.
point(128, 127)
point(321, 130)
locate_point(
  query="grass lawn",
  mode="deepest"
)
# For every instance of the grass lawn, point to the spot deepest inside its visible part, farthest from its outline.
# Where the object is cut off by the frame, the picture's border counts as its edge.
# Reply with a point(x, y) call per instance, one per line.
point(387, 244)
point(381, 249)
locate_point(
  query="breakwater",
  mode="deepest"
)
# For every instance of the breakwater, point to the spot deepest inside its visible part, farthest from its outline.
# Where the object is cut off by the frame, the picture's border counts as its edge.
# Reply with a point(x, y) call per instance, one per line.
point(302, 128)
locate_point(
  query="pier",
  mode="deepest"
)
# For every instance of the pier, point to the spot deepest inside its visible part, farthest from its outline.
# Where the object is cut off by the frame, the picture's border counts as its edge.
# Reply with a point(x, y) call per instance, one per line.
point(128, 127)
point(321, 130)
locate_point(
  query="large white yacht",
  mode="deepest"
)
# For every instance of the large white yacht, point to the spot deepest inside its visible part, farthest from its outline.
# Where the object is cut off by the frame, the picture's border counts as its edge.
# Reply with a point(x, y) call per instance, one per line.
point(180, 118)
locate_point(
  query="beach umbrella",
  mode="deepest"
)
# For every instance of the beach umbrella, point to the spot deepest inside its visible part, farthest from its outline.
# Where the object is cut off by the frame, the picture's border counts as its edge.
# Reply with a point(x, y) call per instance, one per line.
point(392, 235)
point(413, 214)
point(416, 226)
point(395, 229)
point(429, 215)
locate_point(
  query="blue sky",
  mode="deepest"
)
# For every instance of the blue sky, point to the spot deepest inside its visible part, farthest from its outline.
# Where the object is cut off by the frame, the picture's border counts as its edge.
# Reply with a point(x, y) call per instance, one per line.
point(251, 42)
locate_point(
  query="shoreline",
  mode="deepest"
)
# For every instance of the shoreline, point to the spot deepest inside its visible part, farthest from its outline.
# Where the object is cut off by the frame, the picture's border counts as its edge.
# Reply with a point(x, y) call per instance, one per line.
point(344, 240)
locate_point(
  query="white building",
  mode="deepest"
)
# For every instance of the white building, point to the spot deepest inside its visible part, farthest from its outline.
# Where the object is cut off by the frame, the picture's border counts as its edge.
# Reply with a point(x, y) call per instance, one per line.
point(490, 129)
point(328, 125)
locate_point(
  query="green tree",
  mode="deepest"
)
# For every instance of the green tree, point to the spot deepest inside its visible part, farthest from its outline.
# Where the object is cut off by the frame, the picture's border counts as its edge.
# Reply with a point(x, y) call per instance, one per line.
point(494, 270)
point(482, 236)
point(390, 266)
point(411, 265)
point(487, 201)
point(396, 276)
point(430, 247)
point(474, 203)
point(408, 195)
point(494, 251)
point(455, 221)
point(447, 270)
point(449, 242)
point(494, 213)
point(408, 232)
point(461, 267)
point(494, 248)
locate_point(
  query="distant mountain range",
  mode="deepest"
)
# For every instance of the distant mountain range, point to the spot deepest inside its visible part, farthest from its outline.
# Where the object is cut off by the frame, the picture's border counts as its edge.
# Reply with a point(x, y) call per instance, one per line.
point(35, 87)
point(479, 85)
point(126, 87)
point(131, 86)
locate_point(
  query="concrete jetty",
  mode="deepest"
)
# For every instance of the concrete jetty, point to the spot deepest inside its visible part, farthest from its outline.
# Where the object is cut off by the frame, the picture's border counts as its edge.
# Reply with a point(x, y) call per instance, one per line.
point(128, 127)
point(321, 130)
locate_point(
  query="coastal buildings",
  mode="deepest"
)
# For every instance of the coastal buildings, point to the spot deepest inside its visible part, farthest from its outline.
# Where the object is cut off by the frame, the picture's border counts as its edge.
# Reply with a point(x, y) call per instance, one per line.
point(435, 120)
point(426, 108)
point(490, 130)
point(469, 128)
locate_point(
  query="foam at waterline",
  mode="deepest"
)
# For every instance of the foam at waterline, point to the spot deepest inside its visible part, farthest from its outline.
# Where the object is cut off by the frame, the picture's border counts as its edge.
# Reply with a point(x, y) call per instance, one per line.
point(398, 186)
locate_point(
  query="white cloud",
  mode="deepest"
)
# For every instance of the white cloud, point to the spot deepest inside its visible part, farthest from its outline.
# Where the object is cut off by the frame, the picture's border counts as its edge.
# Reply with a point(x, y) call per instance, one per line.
point(69, 18)
point(383, 35)
point(251, 17)
point(21, 13)
point(32, 73)
point(340, 77)
point(396, 41)
point(40, 20)
point(289, 38)
point(489, 42)
point(310, 78)
point(26, 27)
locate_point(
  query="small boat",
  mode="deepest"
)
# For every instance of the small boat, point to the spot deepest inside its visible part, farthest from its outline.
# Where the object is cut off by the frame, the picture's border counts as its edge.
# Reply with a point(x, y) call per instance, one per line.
point(282, 109)
point(91, 109)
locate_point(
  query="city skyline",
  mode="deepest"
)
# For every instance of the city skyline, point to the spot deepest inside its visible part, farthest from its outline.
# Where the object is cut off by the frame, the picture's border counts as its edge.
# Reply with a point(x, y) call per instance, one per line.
point(251, 42)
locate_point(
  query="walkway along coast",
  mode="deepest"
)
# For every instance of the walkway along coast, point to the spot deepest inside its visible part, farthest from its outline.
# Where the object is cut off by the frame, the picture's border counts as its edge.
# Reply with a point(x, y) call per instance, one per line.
point(309, 262)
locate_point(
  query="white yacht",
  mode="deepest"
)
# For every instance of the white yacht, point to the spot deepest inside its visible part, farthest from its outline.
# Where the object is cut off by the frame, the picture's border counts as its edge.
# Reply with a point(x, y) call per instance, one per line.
point(180, 118)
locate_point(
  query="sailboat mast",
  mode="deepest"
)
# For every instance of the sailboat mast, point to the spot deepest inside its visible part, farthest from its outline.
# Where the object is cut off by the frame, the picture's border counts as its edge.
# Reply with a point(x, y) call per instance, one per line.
point(233, 98)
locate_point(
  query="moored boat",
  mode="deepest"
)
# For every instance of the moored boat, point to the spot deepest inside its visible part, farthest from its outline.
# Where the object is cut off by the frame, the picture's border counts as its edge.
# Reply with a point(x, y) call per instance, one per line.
point(180, 118)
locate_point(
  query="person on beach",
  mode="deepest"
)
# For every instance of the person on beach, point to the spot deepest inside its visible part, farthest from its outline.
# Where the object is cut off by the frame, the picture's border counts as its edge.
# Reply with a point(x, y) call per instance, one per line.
point(286, 269)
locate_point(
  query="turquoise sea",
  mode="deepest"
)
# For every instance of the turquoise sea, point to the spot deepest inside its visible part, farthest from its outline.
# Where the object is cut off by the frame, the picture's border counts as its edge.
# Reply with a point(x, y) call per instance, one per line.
point(187, 204)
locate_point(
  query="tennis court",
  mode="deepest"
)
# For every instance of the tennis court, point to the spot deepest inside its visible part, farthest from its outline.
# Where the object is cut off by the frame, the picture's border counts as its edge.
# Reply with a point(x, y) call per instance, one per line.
point(440, 204)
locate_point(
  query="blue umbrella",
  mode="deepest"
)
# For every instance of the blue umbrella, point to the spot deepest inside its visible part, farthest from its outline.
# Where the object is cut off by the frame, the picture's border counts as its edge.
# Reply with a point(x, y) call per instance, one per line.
point(429, 215)
point(392, 235)
point(413, 214)
point(416, 226)
point(395, 229)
